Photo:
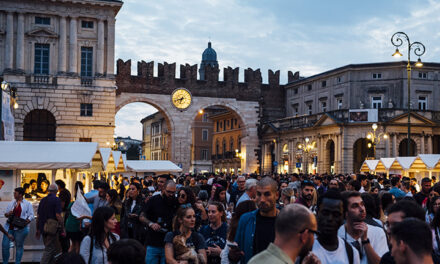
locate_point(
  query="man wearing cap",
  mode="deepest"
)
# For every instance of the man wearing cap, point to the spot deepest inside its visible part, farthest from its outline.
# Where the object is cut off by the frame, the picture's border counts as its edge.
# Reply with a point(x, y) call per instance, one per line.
point(49, 224)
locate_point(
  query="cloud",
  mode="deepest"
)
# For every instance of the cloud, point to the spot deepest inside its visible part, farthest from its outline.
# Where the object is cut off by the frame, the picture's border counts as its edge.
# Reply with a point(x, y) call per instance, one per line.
point(128, 119)
point(307, 36)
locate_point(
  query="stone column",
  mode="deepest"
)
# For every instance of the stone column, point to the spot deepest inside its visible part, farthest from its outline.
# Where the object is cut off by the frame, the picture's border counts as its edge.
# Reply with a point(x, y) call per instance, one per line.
point(20, 42)
point(9, 44)
point(110, 45)
point(62, 51)
point(337, 151)
point(387, 147)
point(100, 50)
point(394, 145)
point(429, 144)
point(73, 46)
point(422, 144)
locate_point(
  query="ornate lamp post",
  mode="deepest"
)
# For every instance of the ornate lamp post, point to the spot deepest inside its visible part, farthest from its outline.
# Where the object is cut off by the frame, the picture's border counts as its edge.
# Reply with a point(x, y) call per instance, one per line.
point(398, 39)
point(375, 138)
point(306, 147)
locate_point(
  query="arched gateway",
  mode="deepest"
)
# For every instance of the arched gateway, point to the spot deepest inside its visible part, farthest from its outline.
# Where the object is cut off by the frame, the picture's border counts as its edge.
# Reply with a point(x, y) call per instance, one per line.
point(244, 99)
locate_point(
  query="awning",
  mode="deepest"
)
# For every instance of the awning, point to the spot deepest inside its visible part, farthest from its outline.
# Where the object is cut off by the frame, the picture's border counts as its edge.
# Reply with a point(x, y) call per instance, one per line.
point(384, 164)
point(35, 155)
point(156, 166)
point(369, 165)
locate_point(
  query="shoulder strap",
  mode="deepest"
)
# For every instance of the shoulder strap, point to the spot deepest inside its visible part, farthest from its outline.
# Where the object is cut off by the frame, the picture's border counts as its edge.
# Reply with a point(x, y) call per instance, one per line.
point(349, 250)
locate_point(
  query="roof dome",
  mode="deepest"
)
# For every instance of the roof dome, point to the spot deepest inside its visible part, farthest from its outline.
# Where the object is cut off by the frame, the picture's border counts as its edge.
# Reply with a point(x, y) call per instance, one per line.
point(209, 54)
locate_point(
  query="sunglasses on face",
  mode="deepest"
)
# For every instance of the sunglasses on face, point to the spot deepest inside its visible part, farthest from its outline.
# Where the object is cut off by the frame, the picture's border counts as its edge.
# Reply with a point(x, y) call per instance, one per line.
point(315, 232)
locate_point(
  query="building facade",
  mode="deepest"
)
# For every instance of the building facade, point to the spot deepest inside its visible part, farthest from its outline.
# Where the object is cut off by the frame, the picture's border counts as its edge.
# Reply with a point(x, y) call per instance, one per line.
point(201, 148)
point(335, 111)
point(59, 55)
point(155, 144)
point(226, 142)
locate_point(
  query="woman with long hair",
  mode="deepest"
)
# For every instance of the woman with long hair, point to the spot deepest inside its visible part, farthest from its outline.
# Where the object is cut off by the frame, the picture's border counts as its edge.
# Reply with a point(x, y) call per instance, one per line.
point(242, 208)
point(131, 227)
point(114, 202)
point(73, 224)
point(215, 233)
point(186, 197)
point(183, 239)
point(435, 226)
point(94, 246)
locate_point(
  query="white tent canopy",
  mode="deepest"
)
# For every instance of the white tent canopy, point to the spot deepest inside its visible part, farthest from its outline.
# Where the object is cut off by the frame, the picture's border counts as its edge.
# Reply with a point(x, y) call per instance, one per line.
point(156, 166)
point(47, 155)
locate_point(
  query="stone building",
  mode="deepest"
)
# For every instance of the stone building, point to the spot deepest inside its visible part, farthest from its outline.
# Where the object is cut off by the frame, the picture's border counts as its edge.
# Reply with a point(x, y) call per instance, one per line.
point(335, 110)
point(155, 143)
point(60, 56)
point(201, 147)
point(226, 142)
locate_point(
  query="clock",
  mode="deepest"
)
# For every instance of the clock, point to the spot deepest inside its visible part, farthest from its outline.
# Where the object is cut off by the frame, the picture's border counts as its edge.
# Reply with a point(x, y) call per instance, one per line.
point(181, 98)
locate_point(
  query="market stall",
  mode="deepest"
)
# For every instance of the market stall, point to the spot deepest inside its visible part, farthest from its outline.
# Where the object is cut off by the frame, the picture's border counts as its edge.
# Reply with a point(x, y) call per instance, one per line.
point(42, 163)
point(153, 166)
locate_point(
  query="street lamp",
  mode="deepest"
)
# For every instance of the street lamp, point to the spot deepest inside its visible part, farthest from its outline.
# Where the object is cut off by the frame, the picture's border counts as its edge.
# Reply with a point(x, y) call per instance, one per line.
point(306, 147)
point(375, 138)
point(398, 40)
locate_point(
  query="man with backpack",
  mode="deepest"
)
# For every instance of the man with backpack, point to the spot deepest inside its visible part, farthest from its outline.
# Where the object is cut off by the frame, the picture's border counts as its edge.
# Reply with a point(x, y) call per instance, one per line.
point(328, 247)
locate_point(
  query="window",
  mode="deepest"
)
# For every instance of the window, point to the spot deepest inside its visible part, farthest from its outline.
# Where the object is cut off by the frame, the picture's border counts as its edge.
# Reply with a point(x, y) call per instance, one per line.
point(423, 102)
point(323, 83)
point(39, 125)
point(217, 127)
point(324, 106)
point(155, 129)
point(204, 134)
point(41, 65)
point(86, 109)
point(423, 75)
point(339, 79)
point(205, 117)
point(377, 75)
point(309, 87)
point(339, 103)
point(295, 110)
point(42, 20)
point(376, 102)
point(87, 24)
point(231, 144)
point(295, 91)
point(86, 61)
point(85, 139)
point(309, 109)
point(205, 154)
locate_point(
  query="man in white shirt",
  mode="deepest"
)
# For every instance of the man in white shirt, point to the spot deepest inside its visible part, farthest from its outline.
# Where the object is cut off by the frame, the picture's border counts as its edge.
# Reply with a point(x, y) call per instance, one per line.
point(370, 241)
point(328, 247)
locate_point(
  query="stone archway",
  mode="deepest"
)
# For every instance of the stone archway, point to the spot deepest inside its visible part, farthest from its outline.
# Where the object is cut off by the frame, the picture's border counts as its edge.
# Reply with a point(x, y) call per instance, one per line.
point(403, 148)
point(181, 124)
point(329, 156)
point(360, 152)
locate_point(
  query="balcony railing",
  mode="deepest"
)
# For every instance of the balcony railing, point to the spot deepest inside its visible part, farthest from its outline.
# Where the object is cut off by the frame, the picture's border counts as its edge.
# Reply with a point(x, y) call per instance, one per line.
point(224, 156)
point(86, 81)
point(342, 116)
point(41, 79)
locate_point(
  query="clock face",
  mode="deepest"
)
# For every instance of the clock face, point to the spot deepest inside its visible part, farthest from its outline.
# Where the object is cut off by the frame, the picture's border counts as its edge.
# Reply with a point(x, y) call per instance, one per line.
point(181, 98)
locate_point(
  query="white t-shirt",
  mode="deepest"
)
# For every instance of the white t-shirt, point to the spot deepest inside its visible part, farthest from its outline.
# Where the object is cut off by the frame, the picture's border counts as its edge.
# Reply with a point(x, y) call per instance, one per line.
point(339, 256)
point(377, 237)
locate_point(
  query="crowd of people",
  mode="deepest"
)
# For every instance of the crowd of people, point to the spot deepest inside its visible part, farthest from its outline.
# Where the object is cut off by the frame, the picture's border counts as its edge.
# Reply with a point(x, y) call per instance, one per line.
point(295, 218)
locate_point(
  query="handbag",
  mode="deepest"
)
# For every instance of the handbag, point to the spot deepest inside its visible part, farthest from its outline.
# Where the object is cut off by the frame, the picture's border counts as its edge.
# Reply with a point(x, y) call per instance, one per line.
point(17, 222)
point(50, 227)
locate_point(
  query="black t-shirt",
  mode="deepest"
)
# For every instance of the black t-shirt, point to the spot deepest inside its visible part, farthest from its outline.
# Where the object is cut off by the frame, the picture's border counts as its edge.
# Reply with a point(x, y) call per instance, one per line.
point(420, 197)
point(264, 233)
point(160, 211)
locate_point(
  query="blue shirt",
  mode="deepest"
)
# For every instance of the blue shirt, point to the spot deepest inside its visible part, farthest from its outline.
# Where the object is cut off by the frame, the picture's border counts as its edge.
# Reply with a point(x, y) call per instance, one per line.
point(215, 237)
point(397, 192)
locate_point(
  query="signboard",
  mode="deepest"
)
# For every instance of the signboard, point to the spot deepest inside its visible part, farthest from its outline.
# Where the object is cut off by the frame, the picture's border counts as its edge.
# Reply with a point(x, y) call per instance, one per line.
point(363, 115)
point(180, 165)
point(275, 163)
point(7, 118)
point(298, 164)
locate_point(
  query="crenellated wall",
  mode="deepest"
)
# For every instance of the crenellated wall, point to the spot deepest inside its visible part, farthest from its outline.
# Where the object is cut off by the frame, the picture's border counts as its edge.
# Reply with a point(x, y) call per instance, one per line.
point(252, 89)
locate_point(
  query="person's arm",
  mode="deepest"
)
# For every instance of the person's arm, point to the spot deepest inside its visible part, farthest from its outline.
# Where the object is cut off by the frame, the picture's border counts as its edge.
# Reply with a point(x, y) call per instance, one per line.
point(3, 230)
point(84, 249)
point(372, 256)
point(202, 253)
point(169, 254)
